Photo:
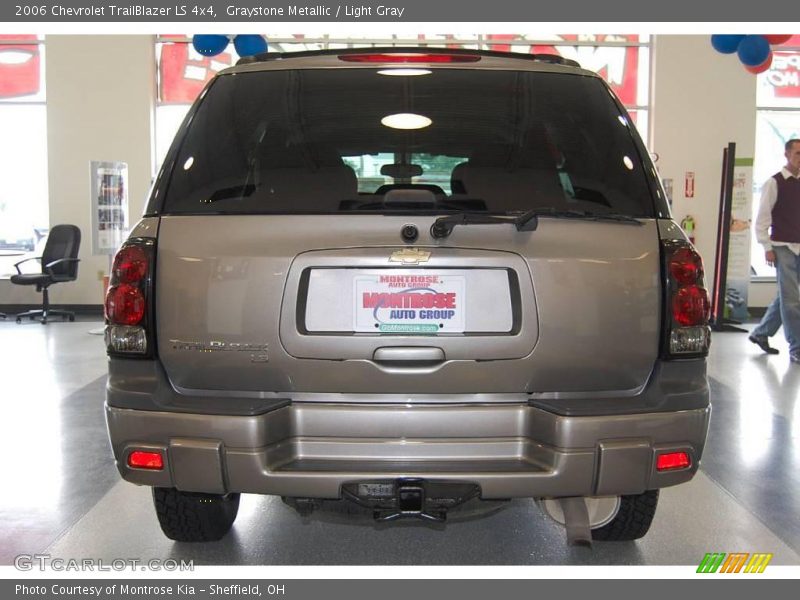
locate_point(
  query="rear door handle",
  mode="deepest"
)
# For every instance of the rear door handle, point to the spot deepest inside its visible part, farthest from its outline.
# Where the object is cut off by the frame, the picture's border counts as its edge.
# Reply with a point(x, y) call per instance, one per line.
point(409, 354)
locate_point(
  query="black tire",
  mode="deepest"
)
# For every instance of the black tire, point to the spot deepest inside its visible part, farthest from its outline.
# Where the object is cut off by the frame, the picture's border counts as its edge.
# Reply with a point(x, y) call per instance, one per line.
point(194, 517)
point(633, 519)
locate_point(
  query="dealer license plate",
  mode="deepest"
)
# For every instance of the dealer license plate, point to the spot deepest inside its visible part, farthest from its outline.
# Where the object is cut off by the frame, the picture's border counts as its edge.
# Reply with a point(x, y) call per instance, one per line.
point(425, 303)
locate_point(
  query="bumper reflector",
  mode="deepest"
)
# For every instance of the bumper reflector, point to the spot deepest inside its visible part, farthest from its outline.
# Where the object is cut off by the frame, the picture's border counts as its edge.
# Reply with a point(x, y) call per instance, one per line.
point(672, 461)
point(145, 460)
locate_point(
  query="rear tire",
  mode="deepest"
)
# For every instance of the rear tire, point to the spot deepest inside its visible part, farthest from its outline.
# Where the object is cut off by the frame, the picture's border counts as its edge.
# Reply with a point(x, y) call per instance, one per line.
point(633, 519)
point(194, 517)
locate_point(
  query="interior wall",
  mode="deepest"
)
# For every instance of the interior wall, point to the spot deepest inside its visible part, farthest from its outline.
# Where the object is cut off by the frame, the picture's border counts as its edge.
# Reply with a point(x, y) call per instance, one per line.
point(100, 99)
point(702, 100)
point(100, 106)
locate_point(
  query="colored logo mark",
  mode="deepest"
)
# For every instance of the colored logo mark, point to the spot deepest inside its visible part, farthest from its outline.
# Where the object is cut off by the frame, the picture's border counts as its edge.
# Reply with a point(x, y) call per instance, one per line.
point(736, 562)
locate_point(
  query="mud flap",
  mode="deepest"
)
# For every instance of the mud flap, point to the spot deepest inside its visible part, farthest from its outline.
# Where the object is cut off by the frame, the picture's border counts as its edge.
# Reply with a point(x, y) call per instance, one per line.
point(576, 518)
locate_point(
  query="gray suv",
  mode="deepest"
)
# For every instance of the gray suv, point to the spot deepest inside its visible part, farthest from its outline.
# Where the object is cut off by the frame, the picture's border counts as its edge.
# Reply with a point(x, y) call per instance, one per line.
point(407, 278)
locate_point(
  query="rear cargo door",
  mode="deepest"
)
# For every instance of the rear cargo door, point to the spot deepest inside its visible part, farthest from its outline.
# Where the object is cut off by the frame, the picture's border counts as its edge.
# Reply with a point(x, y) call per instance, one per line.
point(245, 305)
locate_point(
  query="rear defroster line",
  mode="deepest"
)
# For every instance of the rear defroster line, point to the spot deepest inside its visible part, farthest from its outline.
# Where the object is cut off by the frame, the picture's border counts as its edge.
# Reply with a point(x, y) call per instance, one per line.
point(526, 221)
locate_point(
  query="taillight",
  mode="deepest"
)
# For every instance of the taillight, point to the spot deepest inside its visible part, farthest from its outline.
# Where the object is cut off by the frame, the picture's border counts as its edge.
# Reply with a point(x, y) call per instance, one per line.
point(685, 265)
point(690, 306)
point(130, 264)
point(125, 304)
point(687, 305)
point(128, 305)
point(409, 58)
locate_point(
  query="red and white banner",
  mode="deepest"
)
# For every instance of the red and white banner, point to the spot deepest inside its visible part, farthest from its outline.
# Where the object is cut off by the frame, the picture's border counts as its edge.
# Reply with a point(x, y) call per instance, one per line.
point(184, 72)
point(784, 74)
point(19, 67)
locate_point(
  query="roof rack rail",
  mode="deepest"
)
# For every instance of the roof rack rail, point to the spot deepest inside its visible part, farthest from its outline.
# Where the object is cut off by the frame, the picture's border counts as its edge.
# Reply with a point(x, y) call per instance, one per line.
point(554, 59)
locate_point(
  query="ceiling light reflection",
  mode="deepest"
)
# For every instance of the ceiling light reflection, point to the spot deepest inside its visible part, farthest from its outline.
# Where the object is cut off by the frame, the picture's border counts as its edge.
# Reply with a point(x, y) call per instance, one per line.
point(406, 121)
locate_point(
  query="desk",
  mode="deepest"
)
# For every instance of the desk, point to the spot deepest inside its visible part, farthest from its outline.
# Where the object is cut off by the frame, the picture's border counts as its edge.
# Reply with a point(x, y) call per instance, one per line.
point(8, 258)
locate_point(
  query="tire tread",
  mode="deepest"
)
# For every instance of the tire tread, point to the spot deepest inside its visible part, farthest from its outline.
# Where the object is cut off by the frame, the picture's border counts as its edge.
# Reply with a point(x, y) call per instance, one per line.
point(633, 520)
point(194, 517)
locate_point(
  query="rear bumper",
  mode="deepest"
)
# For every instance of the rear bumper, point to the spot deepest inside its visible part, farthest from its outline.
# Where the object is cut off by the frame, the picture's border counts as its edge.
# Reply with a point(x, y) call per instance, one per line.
point(311, 449)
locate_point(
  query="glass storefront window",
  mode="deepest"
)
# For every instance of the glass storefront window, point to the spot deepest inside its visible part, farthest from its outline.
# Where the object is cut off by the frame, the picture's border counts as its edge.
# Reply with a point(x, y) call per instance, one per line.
point(24, 212)
point(622, 60)
point(777, 121)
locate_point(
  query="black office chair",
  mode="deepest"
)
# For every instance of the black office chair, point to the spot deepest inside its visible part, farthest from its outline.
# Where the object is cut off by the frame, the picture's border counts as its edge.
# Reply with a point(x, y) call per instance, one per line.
point(59, 263)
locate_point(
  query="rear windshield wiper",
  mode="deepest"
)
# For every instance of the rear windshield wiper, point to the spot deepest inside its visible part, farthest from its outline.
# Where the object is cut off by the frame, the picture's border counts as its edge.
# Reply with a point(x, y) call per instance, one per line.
point(443, 226)
point(237, 191)
point(527, 221)
point(585, 215)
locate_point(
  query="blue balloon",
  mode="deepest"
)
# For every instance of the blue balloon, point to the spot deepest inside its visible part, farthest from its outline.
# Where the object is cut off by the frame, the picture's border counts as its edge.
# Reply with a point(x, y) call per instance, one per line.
point(250, 44)
point(210, 45)
point(726, 44)
point(753, 50)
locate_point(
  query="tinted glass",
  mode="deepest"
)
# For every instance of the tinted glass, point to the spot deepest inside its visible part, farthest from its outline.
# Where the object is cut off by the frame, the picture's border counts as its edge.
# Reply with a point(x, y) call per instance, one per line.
point(331, 141)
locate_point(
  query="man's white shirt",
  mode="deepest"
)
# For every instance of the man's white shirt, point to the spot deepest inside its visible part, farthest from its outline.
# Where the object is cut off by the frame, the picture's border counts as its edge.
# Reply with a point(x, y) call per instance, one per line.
point(769, 195)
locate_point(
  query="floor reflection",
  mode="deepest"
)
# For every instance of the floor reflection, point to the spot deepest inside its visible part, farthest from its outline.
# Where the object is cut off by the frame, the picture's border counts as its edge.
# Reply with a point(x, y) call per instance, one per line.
point(53, 441)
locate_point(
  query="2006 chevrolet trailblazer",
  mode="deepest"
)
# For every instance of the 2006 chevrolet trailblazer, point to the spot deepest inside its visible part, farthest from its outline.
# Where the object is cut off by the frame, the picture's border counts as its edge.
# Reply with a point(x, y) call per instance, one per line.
point(407, 278)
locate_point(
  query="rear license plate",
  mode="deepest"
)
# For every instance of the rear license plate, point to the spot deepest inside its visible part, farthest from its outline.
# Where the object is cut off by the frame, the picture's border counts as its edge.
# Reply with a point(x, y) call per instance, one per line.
point(376, 490)
point(409, 303)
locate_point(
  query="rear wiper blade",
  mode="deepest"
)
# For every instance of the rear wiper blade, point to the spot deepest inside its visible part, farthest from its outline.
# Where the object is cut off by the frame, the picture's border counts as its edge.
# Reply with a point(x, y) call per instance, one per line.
point(237, 191)
point(443, 226)
point(527, 221)
point(585, 215)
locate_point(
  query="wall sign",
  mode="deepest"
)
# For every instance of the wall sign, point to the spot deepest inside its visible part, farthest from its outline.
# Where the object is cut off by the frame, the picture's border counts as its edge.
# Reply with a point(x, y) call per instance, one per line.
point(109, 190)
point(688, 188)
point(738, 279)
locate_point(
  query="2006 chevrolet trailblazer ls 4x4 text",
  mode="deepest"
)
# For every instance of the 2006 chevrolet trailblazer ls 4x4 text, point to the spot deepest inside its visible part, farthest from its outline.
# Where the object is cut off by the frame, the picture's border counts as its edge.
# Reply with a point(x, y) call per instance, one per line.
point(407, 278)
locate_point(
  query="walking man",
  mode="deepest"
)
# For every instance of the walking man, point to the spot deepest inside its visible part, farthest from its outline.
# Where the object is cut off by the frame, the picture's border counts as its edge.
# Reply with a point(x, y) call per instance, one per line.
point(778, 230)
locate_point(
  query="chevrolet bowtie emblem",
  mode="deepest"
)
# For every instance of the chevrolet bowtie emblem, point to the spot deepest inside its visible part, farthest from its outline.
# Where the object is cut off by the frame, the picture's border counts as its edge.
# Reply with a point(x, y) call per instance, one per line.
point(410, 256)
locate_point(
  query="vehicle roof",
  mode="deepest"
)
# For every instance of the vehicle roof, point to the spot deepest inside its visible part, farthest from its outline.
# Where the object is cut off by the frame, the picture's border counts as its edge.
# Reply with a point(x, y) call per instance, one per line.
point(329, 59)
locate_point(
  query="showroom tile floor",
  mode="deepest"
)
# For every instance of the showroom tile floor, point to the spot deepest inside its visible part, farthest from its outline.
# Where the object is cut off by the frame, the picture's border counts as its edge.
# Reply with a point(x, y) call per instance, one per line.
point(63, 495)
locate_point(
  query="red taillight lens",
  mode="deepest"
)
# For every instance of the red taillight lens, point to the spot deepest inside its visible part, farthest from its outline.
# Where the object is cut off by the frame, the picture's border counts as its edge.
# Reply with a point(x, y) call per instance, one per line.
point(128, 303)
point(685, 266)
point(408, 58)
point(130, 265)
point(690, 306)
point(145, 460)
point(125, 304)
point(672, 461)
point(686, 303)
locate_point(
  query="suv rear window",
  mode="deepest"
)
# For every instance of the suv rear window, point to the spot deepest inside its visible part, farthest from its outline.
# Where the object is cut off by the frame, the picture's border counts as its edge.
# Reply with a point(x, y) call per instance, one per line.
point(334, 140)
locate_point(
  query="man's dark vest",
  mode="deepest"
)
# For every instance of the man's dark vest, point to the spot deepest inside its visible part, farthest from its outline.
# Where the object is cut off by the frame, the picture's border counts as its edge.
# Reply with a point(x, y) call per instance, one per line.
point(786, 212)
